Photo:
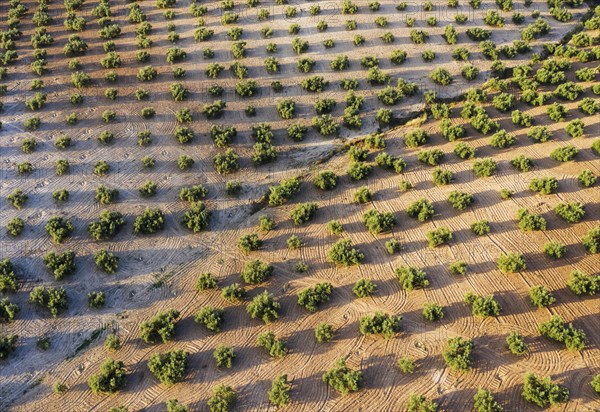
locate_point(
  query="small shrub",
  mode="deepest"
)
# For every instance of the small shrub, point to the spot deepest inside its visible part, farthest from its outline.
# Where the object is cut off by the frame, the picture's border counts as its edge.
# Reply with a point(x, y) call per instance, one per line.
point(112, 377)
point(530, 221)
point(233, 293)
point(545, 186)
point(264, 307)
point(458, 268)
point(441, 76)
point(439, 236)
point(96, 300)
point(484, 167)
point(342, 378)
point(480, 228)
point(324, 332)
point(432, 312)
point(421, 210)
point(571, 212)
point(256, 271)
point(280, 389)
point(458, 354)
point(582, 284)
point(511, 262)
point(406, 364)
point(311, 298)
point(59, 228)
point(275, 347)
point(149, 222)
point(591, 240)
point(224, 356)
point(169, 367)
point(210, 317)
point(516, 343)
point(303, 212)
point(334, 227)
point(326, 180)
point(411, 278)
point(460, 200)
point(160, 328)
point(223, 399)
point(540, 297)
point(342, 253)
point(542, 392)
point(363, 288)
point(555, 250)
point(441, 176)
point(112, 342)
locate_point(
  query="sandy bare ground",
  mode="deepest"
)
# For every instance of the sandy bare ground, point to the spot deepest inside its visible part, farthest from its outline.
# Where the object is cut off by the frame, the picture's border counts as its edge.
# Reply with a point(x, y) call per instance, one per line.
point(158, 272)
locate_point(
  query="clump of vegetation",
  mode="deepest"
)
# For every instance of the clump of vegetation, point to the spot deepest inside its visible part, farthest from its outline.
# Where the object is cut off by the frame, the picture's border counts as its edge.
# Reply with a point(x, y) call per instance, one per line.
point(61, 264)
point(571, 212)
point(169, 367)
point(249, 243)
point(378, 222)
point(406, 364)
point(264, 307)
point(342, 253)
point(530, 221)
point(458, 354)
point(422, 210)
point(256, 271)
point(149, 222)
point(411, 278)
point(516, 343)
point(586, 178)
point(283, 192)
point(460, 200)
point(540, 296)
point(458, 268)
point(511, 262)
point(482, 306)
point(433, 312)
point(8, 278)
point(312, 298)
point(363, 288)
point(438, 236)
point(342, 378)
point(556, 329)
point(582, 284)
point(324, 332)
point(53, 299)
point(380, 324)
point(59, 228)
point(275, 347)
point(112, 342)
point(326, 180)
point(542, 392)
point(8, 310)
point(224, 356)
point(106, 226)
point(362, 195)
point(279, 393)
point(591, 240)
point(223, 398)
point(545, 186)
point(303, 212)
point(555, 250)
point(485, 402)
point(112, 377)
point(160, 328)
point(418, 403)
point(484, 168)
